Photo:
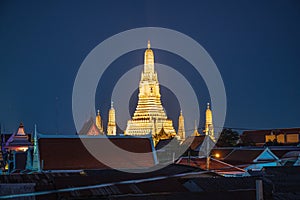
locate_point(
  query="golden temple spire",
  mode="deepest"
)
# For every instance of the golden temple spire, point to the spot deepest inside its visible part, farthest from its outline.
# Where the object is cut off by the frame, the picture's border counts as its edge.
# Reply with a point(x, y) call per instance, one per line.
point(111, 127)
point(208, 118)
point(149, 60)
point(209, 128)
point(149, 115)
point(196, 133)
point(99, 122)
point(181, 129)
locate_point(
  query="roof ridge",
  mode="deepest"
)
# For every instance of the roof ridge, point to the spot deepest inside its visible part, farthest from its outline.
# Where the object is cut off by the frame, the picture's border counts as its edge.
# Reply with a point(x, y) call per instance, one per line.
point(228, 164)
point(229, 154)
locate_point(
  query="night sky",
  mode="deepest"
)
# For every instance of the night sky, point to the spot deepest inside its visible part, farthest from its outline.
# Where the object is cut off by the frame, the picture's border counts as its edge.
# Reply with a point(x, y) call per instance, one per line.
point(255, 44)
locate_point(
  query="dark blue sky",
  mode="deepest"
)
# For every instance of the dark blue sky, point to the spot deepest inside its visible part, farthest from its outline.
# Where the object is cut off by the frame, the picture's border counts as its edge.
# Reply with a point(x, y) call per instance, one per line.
point(255, 44)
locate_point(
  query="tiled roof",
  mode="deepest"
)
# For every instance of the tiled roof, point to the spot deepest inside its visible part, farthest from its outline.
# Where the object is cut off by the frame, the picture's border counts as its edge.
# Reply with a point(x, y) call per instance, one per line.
point(90, 128)
point(280, 151)
point(169, 170)
point(162, 143)
point(243, 156)
point(221, 152)
point(6, 136)
point(214, 165)
point(70, 153)
point(19, 138)
point(168, 144)
point(194, 141)
point(292, 154)
point(254, 136)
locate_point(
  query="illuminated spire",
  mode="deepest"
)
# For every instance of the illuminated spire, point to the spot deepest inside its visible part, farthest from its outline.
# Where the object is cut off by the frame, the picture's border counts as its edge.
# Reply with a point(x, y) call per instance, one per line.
point(111, 127)
point(99, 122)
point(196, 133)
point(208, 118)
point(149, 116)
point(149, 60)
point(209, 128)
point(181, 130)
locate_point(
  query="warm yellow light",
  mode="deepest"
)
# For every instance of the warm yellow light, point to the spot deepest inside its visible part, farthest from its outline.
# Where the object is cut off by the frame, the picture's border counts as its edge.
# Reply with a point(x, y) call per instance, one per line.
point(22, 148)
point(217, 155)
point(82, 173)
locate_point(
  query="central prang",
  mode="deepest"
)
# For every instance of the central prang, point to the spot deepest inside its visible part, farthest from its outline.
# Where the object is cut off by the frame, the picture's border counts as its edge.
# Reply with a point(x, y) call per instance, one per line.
point(149, 116)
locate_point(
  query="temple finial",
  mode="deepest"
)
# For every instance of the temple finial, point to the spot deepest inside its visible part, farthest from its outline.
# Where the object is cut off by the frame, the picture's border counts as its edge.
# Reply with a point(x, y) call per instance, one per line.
point(149, 45)
point(207, 105)
point(111, 126)
point(98, 112)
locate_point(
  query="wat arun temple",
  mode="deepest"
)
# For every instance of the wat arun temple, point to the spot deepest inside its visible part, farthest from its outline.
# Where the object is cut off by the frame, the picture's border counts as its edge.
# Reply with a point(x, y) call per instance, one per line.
point(149, 116)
